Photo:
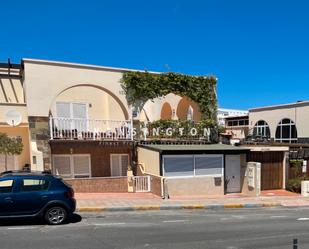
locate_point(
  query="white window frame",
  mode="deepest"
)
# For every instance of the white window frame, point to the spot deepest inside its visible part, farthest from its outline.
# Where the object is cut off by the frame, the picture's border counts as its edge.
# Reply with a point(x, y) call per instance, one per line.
point(211, 155)
point(118, 154)
point(290, 139)
point(71, 107)
point(181, 156)
point(71, 156)
point(262, 128)
point(194, 156)
point(72, 124)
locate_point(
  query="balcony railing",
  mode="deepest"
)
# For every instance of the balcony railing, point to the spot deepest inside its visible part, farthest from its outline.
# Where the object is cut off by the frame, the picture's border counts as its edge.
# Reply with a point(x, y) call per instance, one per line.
point(90, 129)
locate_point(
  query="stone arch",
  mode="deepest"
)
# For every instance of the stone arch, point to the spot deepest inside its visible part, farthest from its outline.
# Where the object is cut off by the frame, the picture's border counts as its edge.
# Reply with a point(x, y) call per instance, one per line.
point(184, 105)
point(166, 111)
point(120, 103)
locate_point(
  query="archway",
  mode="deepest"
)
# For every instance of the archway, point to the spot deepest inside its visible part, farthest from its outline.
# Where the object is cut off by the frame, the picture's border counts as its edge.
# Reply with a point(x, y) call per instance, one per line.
point(166, 111)
point(187, 106)
point(81, 95)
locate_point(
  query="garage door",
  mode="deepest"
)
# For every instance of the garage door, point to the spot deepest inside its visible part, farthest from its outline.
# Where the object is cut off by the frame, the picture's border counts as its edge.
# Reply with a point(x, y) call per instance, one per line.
point(271, 168)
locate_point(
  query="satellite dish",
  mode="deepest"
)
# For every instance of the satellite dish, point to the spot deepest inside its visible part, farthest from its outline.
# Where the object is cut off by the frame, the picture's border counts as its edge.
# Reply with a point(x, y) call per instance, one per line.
point(13, 118)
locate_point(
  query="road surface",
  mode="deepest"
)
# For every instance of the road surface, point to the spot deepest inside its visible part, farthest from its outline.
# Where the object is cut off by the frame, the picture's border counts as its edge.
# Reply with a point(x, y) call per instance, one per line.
point(229, 228)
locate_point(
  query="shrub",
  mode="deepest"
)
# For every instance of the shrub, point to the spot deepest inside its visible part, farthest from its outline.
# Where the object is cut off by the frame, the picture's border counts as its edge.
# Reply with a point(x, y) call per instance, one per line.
point(294, 185)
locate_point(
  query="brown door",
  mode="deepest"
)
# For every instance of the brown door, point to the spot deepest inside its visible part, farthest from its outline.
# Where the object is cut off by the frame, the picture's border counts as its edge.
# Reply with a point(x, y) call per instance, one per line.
point(271, 168)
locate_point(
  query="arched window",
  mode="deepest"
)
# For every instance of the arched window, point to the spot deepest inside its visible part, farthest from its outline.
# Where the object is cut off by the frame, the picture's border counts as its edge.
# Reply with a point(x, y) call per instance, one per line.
point(286, 131)
point(190, 113)
point(261, 129)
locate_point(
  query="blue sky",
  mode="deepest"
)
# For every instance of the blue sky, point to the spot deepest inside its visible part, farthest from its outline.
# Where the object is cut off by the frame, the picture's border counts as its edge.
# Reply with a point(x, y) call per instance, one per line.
point(258, 49)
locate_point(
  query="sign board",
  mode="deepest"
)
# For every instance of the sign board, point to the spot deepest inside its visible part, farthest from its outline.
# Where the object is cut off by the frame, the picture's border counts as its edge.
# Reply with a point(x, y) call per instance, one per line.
point(250, 177)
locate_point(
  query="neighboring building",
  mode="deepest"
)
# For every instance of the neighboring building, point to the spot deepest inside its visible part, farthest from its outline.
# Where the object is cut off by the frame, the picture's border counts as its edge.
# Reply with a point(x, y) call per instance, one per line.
point(237, 128)
point(287, 123)
point(13, 109)
point(225, 113)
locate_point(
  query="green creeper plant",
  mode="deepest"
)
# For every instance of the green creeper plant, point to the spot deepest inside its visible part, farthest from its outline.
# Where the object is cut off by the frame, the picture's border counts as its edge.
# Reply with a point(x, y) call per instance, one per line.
point(140, 87)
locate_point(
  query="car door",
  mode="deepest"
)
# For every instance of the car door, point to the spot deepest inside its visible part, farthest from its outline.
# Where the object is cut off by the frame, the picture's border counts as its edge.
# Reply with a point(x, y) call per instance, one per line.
point(32, 195)
point(7, 194)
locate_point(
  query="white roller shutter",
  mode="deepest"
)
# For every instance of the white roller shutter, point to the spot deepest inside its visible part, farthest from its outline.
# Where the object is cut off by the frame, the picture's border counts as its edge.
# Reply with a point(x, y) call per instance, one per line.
point(11, 161)
point(81, 165)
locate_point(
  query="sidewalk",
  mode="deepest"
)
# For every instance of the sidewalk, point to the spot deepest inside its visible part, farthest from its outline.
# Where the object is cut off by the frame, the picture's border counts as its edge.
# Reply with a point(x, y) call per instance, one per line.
point(97, 202)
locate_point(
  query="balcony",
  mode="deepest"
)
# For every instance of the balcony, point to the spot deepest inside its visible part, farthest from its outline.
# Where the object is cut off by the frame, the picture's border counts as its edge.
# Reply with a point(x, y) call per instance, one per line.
point(90, 129)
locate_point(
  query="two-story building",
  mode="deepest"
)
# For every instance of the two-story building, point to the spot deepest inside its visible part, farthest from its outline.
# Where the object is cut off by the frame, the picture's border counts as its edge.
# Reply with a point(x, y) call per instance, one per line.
point(13, 114)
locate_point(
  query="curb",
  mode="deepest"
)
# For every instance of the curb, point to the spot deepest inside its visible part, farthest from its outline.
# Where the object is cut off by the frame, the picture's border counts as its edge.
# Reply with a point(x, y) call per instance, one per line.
point(178, 207)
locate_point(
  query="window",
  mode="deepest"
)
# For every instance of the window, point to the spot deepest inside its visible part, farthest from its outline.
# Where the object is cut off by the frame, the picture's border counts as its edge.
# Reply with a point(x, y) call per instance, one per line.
point(72, 116)
point(286, 132)
point(72, 166)
point(6, 186)
point(119, 164)
point(190, 113)
point(178, 166)
point(208, 165)
point(193, 165)
point(29, 185)
point(240, 122)
point(261, 129)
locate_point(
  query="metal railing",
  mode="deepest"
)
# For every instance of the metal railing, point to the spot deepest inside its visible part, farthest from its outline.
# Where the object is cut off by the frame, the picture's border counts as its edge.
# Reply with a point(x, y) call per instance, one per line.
point(141, 183)
point(90, 129)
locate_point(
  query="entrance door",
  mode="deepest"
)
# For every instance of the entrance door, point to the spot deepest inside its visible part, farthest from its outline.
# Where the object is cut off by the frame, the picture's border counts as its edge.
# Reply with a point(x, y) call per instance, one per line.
point(271, 168)
point(232, 173)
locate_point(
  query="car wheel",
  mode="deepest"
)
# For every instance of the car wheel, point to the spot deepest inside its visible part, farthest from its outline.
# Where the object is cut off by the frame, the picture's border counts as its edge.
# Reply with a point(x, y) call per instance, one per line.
point(55, 215)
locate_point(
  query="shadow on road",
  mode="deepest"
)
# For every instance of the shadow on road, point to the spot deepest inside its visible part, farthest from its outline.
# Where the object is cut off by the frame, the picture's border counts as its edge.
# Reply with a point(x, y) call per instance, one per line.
point(75, 218)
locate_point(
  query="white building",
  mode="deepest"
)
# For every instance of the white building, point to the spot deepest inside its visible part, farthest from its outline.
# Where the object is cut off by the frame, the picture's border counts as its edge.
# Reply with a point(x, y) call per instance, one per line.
point(224, 113)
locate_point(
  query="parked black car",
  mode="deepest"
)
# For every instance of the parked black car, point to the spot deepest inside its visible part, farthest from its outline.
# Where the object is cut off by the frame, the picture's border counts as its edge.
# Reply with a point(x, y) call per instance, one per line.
point(35, 194)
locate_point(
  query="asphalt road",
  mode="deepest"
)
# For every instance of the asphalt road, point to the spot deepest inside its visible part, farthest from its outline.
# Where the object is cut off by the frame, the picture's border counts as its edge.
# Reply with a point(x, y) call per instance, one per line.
point(230, 229)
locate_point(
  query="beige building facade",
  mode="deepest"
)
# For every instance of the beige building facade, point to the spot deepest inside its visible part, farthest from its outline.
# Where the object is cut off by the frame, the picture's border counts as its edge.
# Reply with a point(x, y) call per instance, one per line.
point(287, 123)
point(12, 101)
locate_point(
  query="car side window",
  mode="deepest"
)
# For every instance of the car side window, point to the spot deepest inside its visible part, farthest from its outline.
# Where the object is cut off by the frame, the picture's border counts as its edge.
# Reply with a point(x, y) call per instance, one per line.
point(6, 186)
point(29, 185)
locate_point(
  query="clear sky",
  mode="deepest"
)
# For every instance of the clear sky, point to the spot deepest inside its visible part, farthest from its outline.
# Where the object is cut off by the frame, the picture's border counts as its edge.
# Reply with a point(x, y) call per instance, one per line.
point(258, 49)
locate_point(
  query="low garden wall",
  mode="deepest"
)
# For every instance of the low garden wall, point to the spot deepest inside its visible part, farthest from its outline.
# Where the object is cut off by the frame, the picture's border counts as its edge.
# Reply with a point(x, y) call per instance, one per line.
point(155, 183)
point(99, 185)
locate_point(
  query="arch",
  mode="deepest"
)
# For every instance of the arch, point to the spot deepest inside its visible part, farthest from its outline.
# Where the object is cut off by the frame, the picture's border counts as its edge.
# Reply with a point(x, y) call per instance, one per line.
point(286, 131)
point(166, 111)
point(185, 105)
point(122, 106)
point(261, 129)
